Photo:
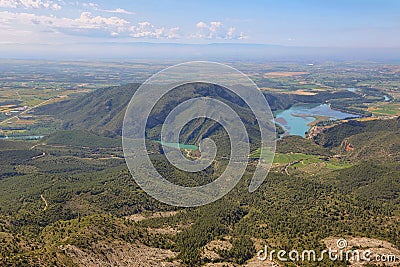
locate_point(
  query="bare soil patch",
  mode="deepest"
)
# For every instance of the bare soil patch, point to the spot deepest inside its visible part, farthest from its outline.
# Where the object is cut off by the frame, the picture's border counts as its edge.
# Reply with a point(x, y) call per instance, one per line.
point(279, 74)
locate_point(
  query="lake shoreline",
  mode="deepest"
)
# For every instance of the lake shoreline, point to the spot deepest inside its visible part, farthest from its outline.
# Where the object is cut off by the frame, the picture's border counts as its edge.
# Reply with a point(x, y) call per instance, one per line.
point(299, 118)
point(347, 111)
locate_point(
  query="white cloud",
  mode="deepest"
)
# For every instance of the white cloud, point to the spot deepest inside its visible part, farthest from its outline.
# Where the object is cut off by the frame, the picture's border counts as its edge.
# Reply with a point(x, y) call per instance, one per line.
point(88, 25)
point(148, 30)
point(243, 36)
point(35, 4)
point(116, 11)
point(119, 11)
point(173, 33)
point(201, 25)
point(215, 25)
point(92, 5)
point(85, 22)
point(216, 30)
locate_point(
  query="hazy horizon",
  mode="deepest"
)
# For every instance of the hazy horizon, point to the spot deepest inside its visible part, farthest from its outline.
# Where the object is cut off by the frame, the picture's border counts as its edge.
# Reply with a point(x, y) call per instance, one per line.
point(212, 51)
point(343, 30)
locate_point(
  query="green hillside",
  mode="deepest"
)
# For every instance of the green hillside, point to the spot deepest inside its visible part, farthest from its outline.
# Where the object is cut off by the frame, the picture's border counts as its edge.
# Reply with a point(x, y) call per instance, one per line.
point(69, 199)
point(73, 205)
point(102, 111)
point(77, 138)
point(334, 136)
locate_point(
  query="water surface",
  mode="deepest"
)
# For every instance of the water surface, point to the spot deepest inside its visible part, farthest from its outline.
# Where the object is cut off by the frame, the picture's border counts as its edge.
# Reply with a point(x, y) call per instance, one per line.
point(297, 118)
point(180, 146)
point(30, 137)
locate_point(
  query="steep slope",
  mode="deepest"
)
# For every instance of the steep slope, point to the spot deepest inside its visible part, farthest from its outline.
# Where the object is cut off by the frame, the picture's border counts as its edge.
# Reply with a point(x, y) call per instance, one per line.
point(100, 112)
point(382, 145)
point(333, 137)
point(93, 206)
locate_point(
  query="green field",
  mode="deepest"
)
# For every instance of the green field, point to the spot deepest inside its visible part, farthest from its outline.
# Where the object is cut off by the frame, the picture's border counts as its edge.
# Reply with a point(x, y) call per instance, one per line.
point(291, 157)
point(285, 158)
point(333, 165)
point(265, 154)
point(387, 109)
point(304, 159)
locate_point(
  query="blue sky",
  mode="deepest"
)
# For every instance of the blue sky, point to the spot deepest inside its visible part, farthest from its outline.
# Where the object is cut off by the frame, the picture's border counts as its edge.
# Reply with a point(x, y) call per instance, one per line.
point(310, 23)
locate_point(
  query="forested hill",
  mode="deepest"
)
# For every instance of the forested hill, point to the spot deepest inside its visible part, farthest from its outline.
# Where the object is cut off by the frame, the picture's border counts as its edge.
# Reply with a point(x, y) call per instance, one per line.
point(69, 200)
point(102, 111)
point(334, 136)
point(377, 140)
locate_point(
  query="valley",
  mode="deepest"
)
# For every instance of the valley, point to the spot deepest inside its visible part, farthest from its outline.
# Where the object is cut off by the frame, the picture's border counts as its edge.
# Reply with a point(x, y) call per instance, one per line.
point(199, 133)
point(68, 199)
point(37, 83)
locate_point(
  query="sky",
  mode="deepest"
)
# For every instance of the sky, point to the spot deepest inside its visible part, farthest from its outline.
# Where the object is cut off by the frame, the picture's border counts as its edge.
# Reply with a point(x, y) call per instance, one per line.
point(37, 24)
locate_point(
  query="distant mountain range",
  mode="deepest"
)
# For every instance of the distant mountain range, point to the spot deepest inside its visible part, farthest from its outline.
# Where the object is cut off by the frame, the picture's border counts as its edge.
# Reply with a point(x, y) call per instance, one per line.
point(213, 51)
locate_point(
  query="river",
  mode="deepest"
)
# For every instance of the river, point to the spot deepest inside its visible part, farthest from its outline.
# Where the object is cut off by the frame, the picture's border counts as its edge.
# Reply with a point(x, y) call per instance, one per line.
point(31, 137)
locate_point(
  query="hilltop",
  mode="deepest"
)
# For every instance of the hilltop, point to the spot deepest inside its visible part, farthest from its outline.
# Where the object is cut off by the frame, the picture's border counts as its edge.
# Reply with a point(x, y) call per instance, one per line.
point(102, 111)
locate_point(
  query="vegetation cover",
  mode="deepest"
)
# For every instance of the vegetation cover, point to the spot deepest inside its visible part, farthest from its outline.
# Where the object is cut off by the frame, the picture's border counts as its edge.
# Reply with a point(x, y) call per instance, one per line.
point(69, 200)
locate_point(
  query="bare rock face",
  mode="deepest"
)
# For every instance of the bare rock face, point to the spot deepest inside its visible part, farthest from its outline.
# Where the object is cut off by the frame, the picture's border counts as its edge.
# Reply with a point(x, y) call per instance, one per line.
point(346, 145)
point(382, 252)
point(314, 131)
point(120, 254)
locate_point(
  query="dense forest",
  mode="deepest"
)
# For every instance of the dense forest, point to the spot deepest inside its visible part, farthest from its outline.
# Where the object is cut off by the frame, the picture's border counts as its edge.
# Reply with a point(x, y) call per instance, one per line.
point(69, 199)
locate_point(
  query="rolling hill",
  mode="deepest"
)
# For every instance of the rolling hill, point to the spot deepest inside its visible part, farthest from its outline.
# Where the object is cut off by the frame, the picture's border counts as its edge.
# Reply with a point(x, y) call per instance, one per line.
point(102, 111)
point(66, 202)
